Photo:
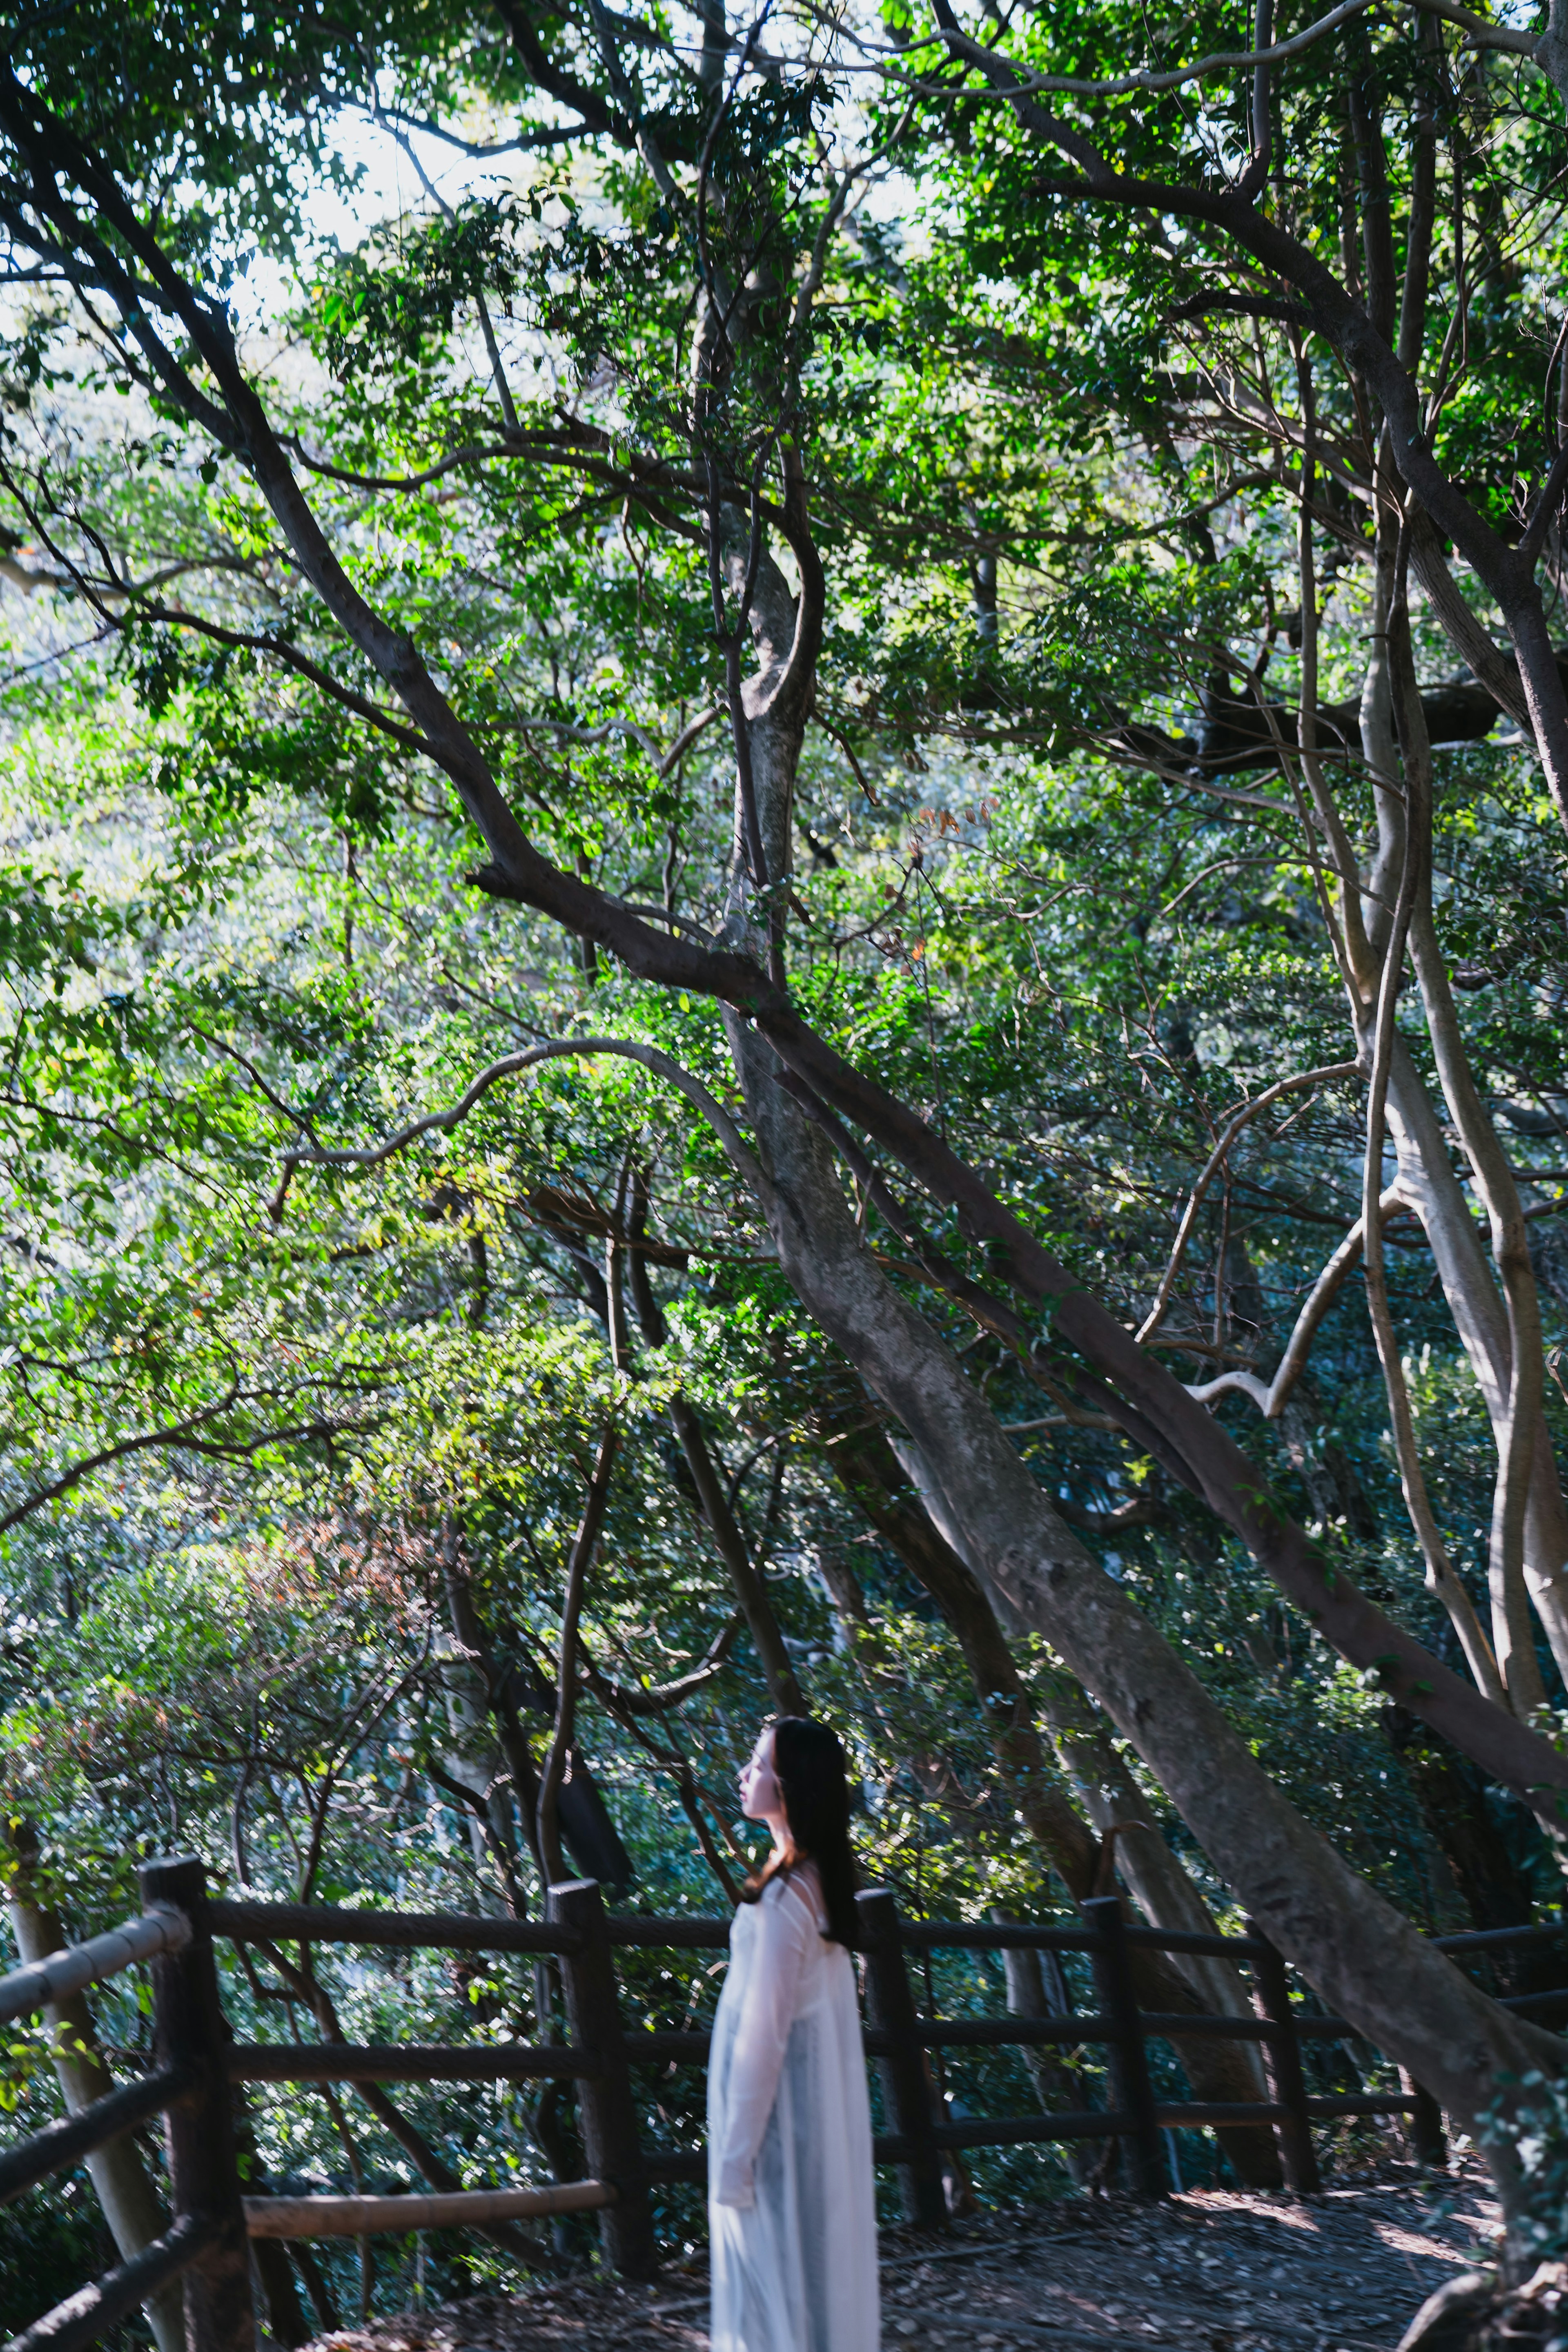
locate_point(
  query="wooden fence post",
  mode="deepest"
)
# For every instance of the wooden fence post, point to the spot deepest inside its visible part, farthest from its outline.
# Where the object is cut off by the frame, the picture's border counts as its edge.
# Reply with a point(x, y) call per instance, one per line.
point(1135, 2093)
point(190, 2030)
point(906, 2088)
point(1424, 2126)
point(610, 2135)
point(1282, 2062)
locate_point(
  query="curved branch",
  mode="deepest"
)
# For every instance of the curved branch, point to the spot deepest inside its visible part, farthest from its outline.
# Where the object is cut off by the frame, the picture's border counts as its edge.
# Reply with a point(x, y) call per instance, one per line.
point(668, 915)
point(794, 689)
point(1271, 1397)
point(1217, 1159)
point(471, 454)
point(565, 87)
point(657, 1699)
point(1336, 315)
point(1480, 34)
point(663, 761)
point(179, 1436)
point(299, 664)
point(1497, 672)
point(1178, 76)
point(663, 1064)
point(1488, 1667)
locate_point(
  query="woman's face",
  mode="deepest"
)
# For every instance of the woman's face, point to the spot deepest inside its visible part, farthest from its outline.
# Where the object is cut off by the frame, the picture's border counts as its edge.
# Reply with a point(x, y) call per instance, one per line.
point(761, 1798)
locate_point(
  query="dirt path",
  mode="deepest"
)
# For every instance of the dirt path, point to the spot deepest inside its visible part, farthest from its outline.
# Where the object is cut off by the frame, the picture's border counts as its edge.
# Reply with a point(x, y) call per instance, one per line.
point(1210, 2271)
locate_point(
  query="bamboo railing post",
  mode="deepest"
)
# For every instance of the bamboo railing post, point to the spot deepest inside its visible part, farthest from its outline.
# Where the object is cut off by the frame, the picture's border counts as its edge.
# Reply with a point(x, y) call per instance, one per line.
point(610, 2135)
point(906, 2084)
point(190, 2031)
point(1135, 2093)
point(1282, 2061)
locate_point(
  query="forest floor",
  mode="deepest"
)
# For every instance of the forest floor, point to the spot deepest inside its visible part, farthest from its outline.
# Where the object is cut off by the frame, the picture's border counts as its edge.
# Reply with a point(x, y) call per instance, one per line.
point(1209, 2270)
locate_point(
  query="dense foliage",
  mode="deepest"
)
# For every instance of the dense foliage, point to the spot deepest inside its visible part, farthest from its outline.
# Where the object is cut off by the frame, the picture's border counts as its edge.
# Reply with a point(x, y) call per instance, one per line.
point(327, 1314)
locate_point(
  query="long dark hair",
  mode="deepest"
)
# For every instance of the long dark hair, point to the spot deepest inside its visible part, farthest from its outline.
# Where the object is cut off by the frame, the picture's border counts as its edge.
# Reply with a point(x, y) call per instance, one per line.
point(808, 1766)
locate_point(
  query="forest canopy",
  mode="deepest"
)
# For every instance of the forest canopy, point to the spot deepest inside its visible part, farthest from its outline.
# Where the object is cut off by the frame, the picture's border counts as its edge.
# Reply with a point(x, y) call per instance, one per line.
point(786, 926)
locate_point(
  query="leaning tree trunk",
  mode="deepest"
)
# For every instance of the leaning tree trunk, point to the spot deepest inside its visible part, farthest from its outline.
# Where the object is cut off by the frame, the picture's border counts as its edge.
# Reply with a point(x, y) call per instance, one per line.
point(1484, 1317)
point(1219, 2070)
point(1358, 1951)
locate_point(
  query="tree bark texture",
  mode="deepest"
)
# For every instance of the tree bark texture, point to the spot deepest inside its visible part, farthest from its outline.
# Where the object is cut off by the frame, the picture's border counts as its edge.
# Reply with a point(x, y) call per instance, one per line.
point(1359, 1953)
point(1115, 1805)
point(1361, 1957)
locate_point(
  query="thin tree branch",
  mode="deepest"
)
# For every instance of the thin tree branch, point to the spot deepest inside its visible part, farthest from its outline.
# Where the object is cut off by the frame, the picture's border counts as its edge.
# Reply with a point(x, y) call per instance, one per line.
point(1240, 1118)
point(658, 1698)
point(1442, 1579)
point(582, 1551)
point(442, 1122)
point(177, 1435)
point(1270, 1397)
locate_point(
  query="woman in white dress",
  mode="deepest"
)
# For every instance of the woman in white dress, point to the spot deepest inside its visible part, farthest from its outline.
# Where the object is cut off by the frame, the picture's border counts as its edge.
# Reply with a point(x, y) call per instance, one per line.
point(791, 2196)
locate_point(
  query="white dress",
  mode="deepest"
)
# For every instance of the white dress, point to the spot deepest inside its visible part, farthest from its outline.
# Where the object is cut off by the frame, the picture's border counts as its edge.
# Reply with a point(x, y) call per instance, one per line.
point(791, 2196)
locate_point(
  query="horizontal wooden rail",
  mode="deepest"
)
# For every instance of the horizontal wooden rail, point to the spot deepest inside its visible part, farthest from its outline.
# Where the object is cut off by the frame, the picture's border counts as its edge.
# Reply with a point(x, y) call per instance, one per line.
point(673, 1934)
point(458, 2208)
point(325, 1923)
point(1187, 2115)
point(1480, 1938)
point(93, 2310)
point(681, 2048)
point(60, 1973)
point(996, 2034)
point(983, 1936)
point(465, 1931)
point(1527, 2003)
point(1358, 2103)
point(1193, 2115)
point(403, 2062)
point(1184, 1939)
point(74, 2137)
point(456, 1931)
point(1014, 2131)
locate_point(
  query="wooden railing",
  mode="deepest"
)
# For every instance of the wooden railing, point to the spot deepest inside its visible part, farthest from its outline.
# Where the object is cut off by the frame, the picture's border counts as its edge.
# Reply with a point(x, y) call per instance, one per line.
point(196, 2061)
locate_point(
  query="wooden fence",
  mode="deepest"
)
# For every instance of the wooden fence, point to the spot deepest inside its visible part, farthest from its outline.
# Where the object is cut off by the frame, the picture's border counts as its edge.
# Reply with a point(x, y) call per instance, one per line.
point(196, 2061)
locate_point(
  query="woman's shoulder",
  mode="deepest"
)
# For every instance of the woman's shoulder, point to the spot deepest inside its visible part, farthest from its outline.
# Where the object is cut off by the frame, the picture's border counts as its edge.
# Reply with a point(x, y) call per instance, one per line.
point(801, 1889)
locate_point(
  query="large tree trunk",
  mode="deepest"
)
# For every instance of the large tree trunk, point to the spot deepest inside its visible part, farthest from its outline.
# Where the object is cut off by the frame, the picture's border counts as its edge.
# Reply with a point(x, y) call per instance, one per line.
point(1360, 1955)
point(1354, 1947)
point(1485, 1316)
point(1223, 2071)
point(1033, 1990)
